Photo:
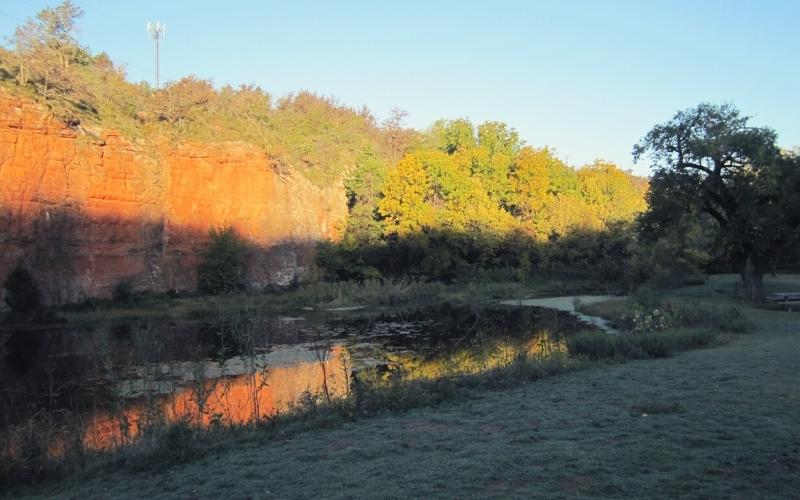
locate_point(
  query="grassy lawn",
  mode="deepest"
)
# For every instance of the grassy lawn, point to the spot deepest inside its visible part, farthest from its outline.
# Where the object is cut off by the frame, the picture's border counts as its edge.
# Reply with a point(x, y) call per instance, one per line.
point(716, 422)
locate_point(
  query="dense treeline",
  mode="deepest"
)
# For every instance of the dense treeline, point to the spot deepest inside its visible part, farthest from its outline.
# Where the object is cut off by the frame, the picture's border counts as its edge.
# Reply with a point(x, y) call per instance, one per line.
point(466, 199)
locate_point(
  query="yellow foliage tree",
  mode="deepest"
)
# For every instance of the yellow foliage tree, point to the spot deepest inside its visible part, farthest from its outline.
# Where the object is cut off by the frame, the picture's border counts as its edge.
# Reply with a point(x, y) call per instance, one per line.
point(530, 182)
point(431, 189)
point(611, 192)
point(403, 207)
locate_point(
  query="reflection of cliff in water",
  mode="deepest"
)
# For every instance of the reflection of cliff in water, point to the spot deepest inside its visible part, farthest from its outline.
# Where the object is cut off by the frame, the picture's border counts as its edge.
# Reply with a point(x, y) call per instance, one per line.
point(116, 379)
point(207, 394)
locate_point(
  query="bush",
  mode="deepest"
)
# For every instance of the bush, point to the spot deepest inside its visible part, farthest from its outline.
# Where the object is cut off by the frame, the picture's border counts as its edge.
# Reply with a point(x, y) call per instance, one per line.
point(647, 312)
point(595, 345)
point(343, 262)
point(602, 255)
point(123, 293)
point(666, 264)
point(731, 320)
point(655, 346)
point(22, 293)
point(223, 267)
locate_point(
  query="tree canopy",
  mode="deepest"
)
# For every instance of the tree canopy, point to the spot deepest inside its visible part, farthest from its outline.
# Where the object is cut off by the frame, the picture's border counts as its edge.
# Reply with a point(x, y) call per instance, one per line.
point(46, 47)
point(484, 179)
point(710, 160)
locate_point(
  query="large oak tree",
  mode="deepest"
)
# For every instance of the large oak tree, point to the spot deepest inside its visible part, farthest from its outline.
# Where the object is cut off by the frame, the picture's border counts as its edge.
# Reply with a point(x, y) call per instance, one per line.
point(709, 159)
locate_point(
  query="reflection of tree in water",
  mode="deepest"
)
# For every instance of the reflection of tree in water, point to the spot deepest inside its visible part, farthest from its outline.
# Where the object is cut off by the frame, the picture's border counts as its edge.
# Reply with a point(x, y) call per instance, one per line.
point(469, 340)
point(463, 360)
point(42, 371)
point(22, 350)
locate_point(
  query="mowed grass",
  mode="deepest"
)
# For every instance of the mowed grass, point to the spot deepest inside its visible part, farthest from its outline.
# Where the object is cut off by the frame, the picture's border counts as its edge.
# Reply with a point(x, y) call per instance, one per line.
point(716, 422)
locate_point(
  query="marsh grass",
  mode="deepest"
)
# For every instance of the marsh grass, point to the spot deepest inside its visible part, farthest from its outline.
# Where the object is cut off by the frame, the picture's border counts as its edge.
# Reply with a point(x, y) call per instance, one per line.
point(318, 296)
point(599, 346)
point(647, 312)
point(26, 450)
point(657, 329)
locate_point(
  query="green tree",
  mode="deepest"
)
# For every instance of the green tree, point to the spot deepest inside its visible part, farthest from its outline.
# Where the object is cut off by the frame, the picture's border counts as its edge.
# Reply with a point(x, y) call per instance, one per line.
point(498, 138)
point(710, 159)
point(223, 265)
point(364, 185)
point(47, 46)
point(451, 135)
point(22, 293)
point(674, 254)
point(184, 100)
point(493, 160)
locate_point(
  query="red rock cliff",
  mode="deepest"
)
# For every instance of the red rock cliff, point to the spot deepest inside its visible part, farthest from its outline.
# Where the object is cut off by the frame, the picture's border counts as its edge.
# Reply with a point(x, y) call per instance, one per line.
point(85, 214)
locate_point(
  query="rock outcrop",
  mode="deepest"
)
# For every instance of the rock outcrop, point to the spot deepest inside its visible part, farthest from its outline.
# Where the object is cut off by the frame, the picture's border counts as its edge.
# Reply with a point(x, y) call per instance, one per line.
point(84, 214)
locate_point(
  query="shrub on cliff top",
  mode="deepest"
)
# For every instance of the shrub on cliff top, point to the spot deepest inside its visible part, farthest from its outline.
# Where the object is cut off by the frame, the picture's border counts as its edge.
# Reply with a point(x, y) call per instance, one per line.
point(22, 294)
point(222, 269)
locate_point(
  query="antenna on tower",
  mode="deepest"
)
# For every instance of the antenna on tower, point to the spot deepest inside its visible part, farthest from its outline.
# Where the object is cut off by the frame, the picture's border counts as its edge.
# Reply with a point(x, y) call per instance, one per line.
point(156, 31)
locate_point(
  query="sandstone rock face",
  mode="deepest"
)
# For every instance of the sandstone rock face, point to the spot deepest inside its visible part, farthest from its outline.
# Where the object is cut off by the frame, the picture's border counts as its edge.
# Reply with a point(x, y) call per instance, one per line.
point(83, 214)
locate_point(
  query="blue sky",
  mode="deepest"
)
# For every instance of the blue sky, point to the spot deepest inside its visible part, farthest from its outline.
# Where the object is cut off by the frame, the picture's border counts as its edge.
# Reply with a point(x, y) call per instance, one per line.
point(587, 78)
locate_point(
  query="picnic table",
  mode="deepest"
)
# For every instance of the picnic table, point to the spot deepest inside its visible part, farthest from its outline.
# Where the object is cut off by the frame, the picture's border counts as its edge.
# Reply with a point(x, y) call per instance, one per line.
point(786, 298)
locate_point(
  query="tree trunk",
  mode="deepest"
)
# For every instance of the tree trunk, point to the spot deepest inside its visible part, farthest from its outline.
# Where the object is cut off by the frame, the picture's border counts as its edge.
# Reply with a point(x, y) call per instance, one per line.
point(753, 281)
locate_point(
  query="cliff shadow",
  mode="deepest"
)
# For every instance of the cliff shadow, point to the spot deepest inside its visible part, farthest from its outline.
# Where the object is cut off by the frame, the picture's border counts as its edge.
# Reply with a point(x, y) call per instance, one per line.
point(74, 256)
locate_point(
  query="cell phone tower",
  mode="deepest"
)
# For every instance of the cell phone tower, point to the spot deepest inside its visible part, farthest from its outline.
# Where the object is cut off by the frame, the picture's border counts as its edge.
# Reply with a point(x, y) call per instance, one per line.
point(156, 31)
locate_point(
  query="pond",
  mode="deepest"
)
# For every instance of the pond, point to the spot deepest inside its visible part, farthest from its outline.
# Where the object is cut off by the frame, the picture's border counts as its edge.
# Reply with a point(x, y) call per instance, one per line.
point(105, 384)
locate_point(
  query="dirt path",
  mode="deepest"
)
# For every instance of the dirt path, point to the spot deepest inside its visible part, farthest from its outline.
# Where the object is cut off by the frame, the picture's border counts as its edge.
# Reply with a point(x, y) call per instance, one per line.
point(721, 422)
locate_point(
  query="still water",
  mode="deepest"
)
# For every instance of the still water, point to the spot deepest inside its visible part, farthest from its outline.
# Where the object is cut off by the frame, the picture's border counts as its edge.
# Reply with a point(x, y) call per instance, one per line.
point(109, 382)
